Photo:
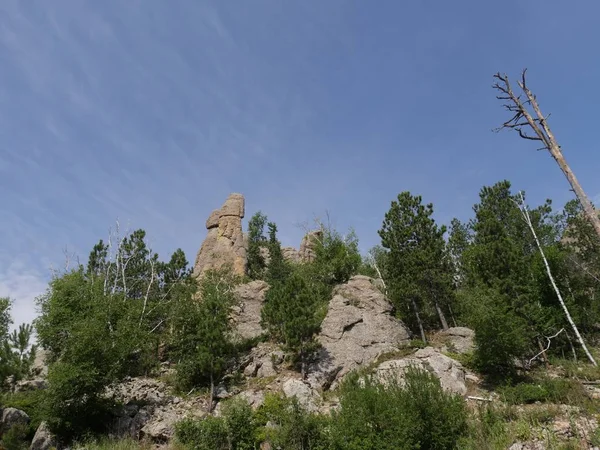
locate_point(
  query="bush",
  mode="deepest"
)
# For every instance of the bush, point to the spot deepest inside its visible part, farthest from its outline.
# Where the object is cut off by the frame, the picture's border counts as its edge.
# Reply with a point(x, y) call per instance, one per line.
point(523, 394)
point(501, 336)
point(207, 434)
point(418, 414)
point(234, 430)
point(547, 390)
point(15, 438)
point(32, 402)
point(287, 425)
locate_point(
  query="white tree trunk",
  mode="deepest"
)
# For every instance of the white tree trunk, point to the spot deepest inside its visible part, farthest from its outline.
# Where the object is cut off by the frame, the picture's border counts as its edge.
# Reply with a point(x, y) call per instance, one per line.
point(523, 208)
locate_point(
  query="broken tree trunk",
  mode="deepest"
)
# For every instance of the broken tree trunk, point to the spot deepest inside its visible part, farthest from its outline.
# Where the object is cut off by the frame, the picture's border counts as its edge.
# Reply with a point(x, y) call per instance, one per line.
point(538, 123)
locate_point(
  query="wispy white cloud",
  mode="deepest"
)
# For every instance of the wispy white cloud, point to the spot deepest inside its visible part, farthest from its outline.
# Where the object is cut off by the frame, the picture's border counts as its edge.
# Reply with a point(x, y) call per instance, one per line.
point(22, 285)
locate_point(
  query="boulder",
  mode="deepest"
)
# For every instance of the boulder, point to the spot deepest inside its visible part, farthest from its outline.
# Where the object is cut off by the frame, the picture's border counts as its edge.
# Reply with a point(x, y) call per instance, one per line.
point(246, 314)
point(43, 439)
point(263, 361)
point(161, 428)
point(456, 340)
point(224, 244)
point(255, 398)
point(450, 372)
point(357, 329)
point(306, 396)
point(12, 417)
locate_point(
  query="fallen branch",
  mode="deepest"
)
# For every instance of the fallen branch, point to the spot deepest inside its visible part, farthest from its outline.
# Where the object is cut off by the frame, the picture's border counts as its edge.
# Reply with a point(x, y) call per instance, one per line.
point(479, 399)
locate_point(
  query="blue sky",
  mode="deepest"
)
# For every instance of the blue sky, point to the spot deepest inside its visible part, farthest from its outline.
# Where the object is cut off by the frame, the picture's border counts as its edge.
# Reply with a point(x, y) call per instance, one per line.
point(152, 112)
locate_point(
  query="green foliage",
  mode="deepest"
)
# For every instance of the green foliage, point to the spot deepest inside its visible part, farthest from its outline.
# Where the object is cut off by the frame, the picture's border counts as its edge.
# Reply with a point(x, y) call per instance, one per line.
point(419, 414)
point(547, 390)
point(284, 423)
point(15, 438)
point(290, 316)
point(500, 334)
point(103, 322)
point(234, 430)
point(256, 240)
point(416, 265)
point(278, 268)
point(202, 343)
point(209, 433)
point(336, 257)
point(16, 353)
point(32, 402)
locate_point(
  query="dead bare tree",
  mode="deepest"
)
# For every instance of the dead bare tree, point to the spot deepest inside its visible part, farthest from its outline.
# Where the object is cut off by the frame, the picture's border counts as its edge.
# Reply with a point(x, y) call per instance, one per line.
point(525, 212)
point(528, 115)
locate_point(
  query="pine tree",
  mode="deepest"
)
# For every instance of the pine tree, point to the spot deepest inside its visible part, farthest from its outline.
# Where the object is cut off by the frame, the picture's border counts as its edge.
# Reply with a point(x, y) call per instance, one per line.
point(256, 240)
point(202, 340)
point(278, 268)
point(290, 316)
point(416, 265)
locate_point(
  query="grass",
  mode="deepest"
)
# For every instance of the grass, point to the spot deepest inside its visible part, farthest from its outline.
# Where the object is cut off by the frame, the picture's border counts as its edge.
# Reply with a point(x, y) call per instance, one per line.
point(581, 370)
point(122, 444)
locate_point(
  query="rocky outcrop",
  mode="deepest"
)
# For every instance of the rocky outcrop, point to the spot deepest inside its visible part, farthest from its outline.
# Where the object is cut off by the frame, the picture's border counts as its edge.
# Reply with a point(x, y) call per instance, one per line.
point(357, 329)
point(263, 361)
point(246, 313)
point(450, 372)
point(149, 410)
point(12, 417)
point(456, 340)
point(43, 439)
point(291, 254)
point(303, 392)
point(307, 246)
point(224, 245)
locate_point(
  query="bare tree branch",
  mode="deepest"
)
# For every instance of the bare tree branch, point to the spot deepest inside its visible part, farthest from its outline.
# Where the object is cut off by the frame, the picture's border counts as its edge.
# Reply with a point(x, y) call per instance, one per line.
point(549, 339)
point(538, 124)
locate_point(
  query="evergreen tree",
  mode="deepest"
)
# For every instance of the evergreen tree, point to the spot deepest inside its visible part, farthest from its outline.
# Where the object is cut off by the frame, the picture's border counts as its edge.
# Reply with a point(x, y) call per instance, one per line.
point(16, 353)
point(256, 241)
point(416, 265)
point(202, 334)
point(290, 314)
point(278, 268)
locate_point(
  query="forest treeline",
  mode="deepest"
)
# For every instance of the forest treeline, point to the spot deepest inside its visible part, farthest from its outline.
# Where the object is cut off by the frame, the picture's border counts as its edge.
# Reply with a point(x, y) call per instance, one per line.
point(125, 311)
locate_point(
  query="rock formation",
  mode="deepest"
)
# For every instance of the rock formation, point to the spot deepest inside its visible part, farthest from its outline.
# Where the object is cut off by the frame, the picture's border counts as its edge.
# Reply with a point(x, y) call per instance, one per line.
point(357, 329)
point(43, 439)
point(307, 246)
point(246, 314)
point(150, 410)
point(450, 372)
point(224, 245)
point(456, 339)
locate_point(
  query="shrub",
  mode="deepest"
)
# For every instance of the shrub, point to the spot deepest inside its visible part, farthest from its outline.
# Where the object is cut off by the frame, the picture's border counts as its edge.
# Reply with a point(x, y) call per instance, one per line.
point(32, 402)
point(524, 393)
point(287, 425)
point(501, 335)
point(234, 430)
point(206, 434)
point(15, 438)
point(418, 414)
point(547, 390)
